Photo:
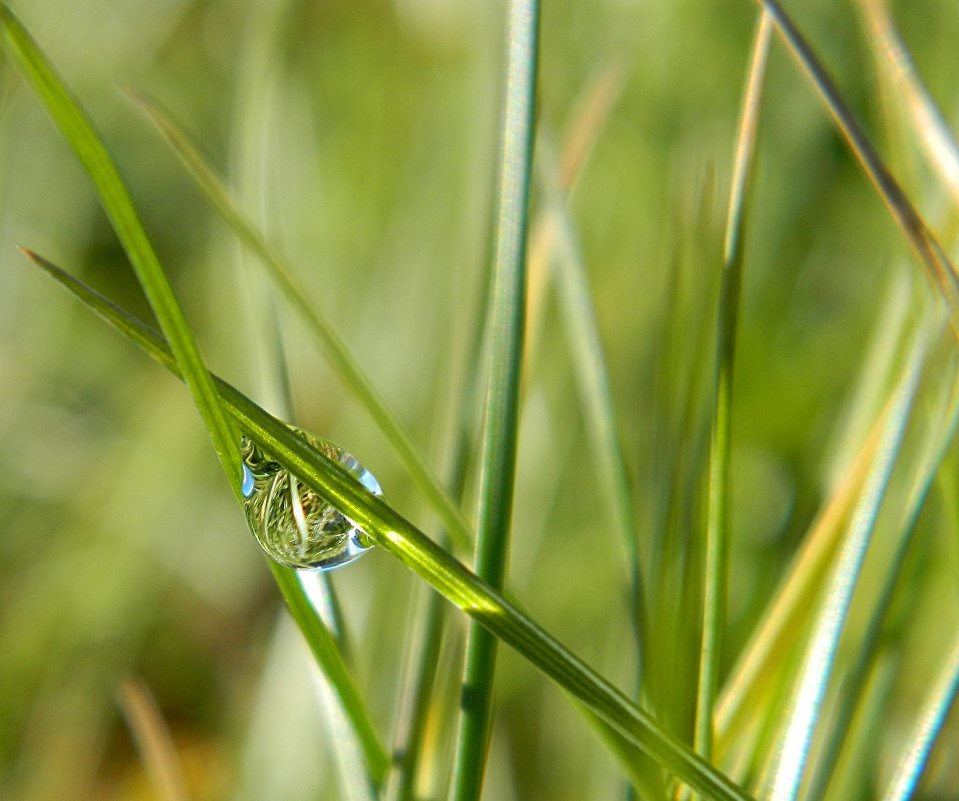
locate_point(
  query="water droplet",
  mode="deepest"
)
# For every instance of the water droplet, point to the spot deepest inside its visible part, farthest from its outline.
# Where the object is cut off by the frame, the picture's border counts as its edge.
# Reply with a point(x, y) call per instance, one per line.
point(293, 524)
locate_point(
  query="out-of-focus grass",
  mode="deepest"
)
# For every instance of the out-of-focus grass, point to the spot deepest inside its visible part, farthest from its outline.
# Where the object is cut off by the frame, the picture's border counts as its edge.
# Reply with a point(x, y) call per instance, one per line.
point(121, 551)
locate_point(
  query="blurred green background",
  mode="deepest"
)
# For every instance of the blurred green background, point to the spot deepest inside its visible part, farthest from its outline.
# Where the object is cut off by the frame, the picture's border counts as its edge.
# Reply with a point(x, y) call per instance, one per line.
point(363, 136)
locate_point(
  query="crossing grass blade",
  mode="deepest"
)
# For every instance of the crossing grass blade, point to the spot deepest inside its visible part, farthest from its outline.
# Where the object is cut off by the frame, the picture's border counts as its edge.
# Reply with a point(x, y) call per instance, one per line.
point(433, 564)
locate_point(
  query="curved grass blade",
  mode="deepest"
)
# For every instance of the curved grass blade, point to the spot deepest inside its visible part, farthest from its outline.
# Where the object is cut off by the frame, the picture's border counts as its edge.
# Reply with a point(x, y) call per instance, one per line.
point(500, 434)
point(939, 268)
point(831, 615)
point(78, 130)
point(331, 345)
point(433, 564)
point(716, 568)
point(928, 727)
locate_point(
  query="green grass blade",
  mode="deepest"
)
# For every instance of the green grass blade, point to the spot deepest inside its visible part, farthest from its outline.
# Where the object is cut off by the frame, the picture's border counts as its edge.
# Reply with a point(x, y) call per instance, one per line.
point(78, 130)
point(498, 447)
point(940, 270)
point(331, 345)
point(716, 568)
point(928, 727)
point(831, 616)
point(433, 564)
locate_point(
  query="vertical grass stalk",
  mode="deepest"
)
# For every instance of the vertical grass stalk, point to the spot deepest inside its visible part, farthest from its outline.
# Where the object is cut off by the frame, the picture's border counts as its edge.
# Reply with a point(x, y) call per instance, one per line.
point(506, 328)
point(717, 524)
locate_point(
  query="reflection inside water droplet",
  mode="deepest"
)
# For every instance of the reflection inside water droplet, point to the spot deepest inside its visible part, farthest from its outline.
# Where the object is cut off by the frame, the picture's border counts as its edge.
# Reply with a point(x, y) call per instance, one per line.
point(294, 525)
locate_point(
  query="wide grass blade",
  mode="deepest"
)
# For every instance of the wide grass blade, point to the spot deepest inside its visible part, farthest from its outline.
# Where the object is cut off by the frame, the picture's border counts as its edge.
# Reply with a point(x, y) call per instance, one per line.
point(716, 568)
point(433, 564)
point(941, 271)
point(332, 346)
point(78, 130)
point(500, 434)
point(830, 617)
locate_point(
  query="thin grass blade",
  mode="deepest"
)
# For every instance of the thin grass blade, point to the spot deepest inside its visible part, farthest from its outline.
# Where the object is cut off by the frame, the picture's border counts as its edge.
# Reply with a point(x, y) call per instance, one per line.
point(78, 130)
point(939, 440)
point(940, 270)
point(928, 727)
point(500, 434)
point(716, 569)
point(330, 343)
point(898, 68)
point(804, 712)
point(433, 564)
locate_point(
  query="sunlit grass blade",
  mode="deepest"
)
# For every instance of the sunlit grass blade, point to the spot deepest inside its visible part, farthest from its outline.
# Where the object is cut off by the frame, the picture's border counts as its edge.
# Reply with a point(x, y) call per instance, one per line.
point(78, 131)
point(716, 568)
point(939, 440)
point(939, 268)
point(433, 564)
point(501, 415)
point(830, 617)
point(332, 346)
point(928, 727)
point(899, 69)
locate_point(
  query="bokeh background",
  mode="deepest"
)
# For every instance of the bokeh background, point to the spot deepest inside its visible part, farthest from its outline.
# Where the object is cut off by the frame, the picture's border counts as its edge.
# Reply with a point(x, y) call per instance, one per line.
point(362, 136)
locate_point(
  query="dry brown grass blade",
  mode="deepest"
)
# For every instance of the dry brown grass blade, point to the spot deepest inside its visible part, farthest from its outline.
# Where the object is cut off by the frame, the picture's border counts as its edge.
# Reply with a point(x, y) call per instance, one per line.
point(153, 740)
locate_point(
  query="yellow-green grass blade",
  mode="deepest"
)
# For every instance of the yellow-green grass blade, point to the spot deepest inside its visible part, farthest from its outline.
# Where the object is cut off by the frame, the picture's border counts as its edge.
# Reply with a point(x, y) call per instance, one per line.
point(78, 131)
point(830, 617)
point(333, 348)
point(506, 326)
point(433, 564)
point(716, 568)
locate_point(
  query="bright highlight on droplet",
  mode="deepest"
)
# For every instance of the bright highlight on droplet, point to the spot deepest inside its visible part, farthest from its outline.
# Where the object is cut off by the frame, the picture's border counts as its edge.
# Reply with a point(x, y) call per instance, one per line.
point(293, 524)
